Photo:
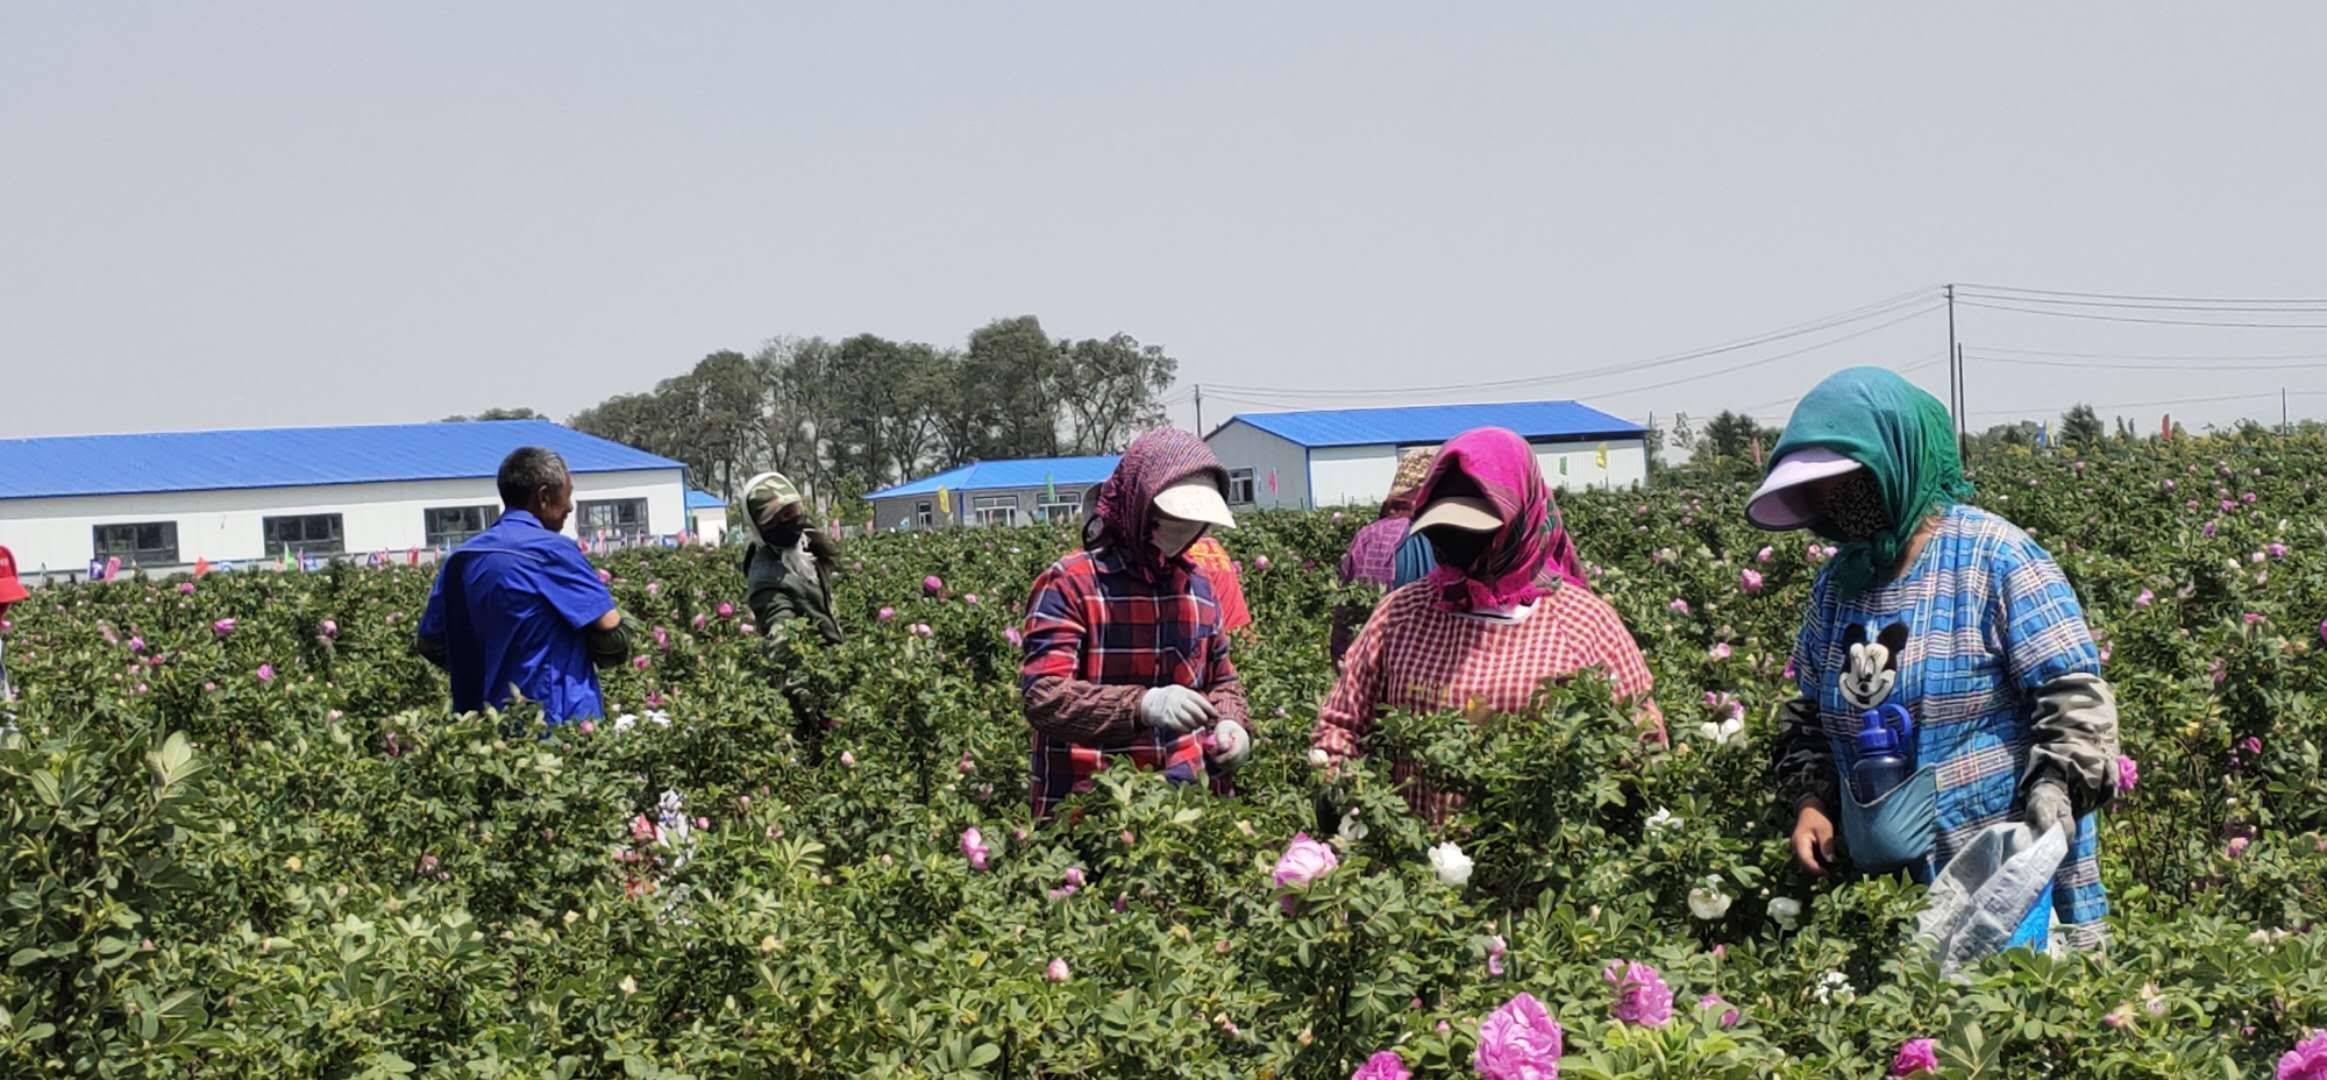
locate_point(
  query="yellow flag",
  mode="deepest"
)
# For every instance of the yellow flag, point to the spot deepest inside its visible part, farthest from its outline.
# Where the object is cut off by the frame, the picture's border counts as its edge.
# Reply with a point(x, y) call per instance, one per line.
point(944, 503)
point(1602, 456)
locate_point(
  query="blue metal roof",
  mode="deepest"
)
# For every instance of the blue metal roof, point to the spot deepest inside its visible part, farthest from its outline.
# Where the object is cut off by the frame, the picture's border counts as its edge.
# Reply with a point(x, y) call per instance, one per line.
point(704, 500)
point(1064, 472)
point(293, 457)
point(1414, 424)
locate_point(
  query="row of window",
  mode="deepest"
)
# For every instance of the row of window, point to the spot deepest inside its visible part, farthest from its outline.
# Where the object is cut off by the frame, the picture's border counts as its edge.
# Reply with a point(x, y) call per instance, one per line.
point(155, 543)
point(1003, 509)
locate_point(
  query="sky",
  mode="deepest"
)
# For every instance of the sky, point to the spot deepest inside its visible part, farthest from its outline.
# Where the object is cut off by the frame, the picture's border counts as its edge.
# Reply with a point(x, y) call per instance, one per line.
point(248, 214)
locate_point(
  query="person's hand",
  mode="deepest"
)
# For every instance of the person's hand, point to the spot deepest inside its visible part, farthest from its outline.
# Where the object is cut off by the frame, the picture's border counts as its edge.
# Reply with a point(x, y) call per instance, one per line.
point(1176, 709)
point(2048, 807)
point(1231, 744)
point(1813, 839)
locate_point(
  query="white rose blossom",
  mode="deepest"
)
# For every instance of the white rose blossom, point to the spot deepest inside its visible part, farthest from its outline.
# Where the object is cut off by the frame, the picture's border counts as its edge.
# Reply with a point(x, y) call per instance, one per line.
point(1453, 867)
point(1707, 901)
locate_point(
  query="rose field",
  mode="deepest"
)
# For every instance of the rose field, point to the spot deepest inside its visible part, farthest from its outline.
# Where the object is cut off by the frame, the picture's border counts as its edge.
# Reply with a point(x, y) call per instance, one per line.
point(243, 835)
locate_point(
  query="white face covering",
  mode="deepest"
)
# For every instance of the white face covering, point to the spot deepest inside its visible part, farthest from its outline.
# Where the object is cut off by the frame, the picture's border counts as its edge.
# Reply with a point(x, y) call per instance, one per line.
point(1174, 536)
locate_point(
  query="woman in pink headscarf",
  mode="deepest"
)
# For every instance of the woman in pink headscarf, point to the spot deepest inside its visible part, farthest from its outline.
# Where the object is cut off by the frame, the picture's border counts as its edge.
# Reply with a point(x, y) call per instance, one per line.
point(1504, 611)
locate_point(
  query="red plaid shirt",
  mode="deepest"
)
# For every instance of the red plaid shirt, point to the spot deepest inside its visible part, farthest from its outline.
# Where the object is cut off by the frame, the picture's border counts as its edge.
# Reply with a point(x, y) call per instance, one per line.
point(1372, 554)
point(1417, 656)
point(1099, 635)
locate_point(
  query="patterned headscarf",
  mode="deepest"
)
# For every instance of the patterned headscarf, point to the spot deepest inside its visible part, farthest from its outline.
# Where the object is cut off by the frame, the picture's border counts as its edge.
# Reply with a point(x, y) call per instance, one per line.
point(1155, 461)
point(1413, 468)
point(1528, 543)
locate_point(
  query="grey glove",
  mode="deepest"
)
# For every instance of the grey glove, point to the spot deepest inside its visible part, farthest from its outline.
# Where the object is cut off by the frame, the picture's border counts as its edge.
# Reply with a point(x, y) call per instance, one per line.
point(2048, 807)
point(1176, 709)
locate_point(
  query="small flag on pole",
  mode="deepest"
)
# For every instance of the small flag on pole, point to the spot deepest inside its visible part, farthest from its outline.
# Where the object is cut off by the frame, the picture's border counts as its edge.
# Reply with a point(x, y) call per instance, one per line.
point(1757, 450)
point(1049, 488)
point(944, 502)
point(2044, 434)
point(201, 568)
point(287, 563)
point(2165, 429)
point(1272, 481)
point(1563, 464)
point(412, 557)
point(1601, 458)
point(112, 567)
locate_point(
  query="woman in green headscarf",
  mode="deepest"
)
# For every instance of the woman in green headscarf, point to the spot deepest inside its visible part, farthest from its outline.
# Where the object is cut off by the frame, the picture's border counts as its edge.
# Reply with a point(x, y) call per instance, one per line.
point(1949, 613)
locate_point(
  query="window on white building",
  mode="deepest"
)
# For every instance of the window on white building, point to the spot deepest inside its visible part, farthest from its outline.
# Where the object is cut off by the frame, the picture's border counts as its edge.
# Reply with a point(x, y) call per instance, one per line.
point(304, 534)
point(611, 519)
point(923, 516)
point(1240, 487)
point(1064, 506)
point(995, 509)
point(145, 543)
point(450, 526)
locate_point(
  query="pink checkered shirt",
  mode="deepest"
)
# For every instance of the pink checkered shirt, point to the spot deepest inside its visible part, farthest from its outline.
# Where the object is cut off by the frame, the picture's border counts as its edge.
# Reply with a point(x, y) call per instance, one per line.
point(1417, 656)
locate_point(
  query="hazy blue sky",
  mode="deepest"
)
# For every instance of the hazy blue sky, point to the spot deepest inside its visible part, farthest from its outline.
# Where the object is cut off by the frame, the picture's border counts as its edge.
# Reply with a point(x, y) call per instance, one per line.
point(296, 213)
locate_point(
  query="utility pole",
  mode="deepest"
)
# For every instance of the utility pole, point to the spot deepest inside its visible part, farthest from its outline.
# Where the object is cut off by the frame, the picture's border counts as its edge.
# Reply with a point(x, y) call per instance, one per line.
point(1955, 374)
point(1199, 410)
point(2285, 428)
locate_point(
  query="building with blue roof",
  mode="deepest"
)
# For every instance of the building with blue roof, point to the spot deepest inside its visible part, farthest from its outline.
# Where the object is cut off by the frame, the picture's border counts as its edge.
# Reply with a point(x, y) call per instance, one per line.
point(1347, 457)
point(162, 501)
point(706, 515)
point(993, 493)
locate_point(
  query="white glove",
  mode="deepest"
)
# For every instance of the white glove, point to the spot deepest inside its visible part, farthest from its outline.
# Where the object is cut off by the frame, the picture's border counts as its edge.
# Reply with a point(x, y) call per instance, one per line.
point(1176, 709)
point(1231, 744)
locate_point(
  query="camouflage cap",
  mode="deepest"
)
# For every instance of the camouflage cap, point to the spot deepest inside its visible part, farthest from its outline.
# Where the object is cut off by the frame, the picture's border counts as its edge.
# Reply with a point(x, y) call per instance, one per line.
point(766, 495)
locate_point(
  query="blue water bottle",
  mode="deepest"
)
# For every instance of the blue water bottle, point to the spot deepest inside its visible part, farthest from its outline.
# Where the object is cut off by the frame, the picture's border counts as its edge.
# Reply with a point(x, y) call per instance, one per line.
point(1883, 763)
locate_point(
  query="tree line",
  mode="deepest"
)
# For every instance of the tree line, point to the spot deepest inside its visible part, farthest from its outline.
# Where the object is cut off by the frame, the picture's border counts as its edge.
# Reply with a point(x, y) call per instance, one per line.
point(845, 417)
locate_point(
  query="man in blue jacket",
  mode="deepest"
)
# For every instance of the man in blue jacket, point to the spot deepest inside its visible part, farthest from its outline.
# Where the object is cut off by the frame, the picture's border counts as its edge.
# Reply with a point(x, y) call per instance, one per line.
point(517, 612)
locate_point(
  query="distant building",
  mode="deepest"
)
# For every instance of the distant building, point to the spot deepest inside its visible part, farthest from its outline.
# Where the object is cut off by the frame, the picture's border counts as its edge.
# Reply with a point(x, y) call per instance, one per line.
point(1347, 457)
point(160, 502)
point(706, 516)
point(993, 493)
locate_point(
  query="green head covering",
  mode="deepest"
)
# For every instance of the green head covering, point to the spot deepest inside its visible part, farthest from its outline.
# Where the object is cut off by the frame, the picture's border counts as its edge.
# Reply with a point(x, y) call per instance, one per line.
point(766, 495)
point(1900, 434)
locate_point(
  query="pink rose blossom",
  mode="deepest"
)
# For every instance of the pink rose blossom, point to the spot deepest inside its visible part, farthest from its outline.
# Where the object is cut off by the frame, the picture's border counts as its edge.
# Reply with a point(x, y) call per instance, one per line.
point(588, 727)
point(970, 599)
point(847, 760)
point(641, 829)
point(1384, 1065)
point(185, 588)
point(700, 621)
point(266, 673)
point(1641, 994)
point(222, 629)
point(885, 614)
point(932, 585)
point(1074, 877)
point(1719, 652)
point(1057, 972)
point(329, 629)
point(2253, 617)
point(639, 662)
point(2145, 599)
point(1729, 1014)
point(604, 577)
point(2276, 550)
point(662, 639)
point(2236, 847)
point(1916, 1056)
point(2307, 1061)
point(922, 630)
point(1495, 951)
point(726, 610)
point(1678, 606)
point(654, 588)
point(1765, 554)
point(1519, 1041)
point(973, 845)
point(1011, 635)
point(1260, 563)
point(1749, 581)
point(2128, 774)
point(1304, 861)
point(136, 645)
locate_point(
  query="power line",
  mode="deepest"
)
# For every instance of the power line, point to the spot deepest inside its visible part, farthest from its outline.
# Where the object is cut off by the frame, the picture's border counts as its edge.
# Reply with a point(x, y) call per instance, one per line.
point(2142, 404)
point(1858, 314)
point(2109, 366)
point(1886, 324)
point(2310, 309)
point(2155, 356)
point(2137, 296)
point(2135, 319)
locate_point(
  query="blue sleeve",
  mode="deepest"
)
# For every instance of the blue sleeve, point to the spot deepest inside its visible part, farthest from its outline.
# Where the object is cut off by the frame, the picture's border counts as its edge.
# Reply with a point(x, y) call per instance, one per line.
point(1414, 559)
point(571, 586)
point(1810, 644)
point(432, 617)
point(2037, 620)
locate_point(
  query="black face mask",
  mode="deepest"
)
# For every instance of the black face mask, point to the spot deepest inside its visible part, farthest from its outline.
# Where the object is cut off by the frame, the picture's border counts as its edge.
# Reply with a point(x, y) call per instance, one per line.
point(1459, 549)
point(783, 534)
point(1851, 508)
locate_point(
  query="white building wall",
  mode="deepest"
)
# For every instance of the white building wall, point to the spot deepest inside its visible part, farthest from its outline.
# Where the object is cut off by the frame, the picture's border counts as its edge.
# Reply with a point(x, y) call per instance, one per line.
point(1351, 475)
point(226, 525)
point(709, 525)
point(1239, 445)
point(1627, 464)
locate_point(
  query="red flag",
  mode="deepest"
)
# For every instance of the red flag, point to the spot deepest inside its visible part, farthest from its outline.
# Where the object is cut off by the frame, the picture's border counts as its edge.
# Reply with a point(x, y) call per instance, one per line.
point(112, 567)
point(1757, 450)
point(412, 557)
point(1272, 481)
point(2165, 429)
point(201, 567)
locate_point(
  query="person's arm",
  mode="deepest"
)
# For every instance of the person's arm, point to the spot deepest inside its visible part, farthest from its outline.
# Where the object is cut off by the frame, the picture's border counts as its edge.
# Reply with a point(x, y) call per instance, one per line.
point(1619, 657)
point(609, 640)
point(823, 547)
point(570, 586)
point(428, 635)
point(1058, 702)
point(1221, 686)
point(2053, 662)
point(1414, 560)
point(1801, 758)
point(1348, 712)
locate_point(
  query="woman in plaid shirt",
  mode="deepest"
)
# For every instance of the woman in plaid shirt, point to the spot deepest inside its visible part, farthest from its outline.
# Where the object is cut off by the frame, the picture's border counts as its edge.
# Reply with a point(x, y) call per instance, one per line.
point(1126, 655)
point(1505, 610)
